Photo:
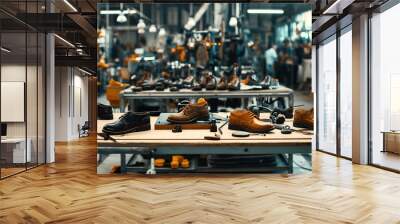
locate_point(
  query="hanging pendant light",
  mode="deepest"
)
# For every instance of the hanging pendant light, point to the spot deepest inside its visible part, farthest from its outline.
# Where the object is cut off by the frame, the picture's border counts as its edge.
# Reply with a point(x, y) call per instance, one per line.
point(141, 24)
point(162, 32)
point(152, 28)
point(233, 21)
point(121, 17)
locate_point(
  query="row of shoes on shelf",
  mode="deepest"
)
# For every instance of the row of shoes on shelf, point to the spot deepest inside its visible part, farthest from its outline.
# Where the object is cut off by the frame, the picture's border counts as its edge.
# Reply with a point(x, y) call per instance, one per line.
point(239, 119)
point(206, 79)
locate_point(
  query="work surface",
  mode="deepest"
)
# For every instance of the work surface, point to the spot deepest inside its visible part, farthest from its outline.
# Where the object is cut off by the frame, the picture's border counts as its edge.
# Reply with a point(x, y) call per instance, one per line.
point(196, 137)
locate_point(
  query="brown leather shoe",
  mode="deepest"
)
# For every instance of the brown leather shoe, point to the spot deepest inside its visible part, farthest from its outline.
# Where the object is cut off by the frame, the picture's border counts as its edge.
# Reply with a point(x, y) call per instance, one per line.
point(304, 118)
point(245, 120)
point(222, 84)
point(191, 113)
point(234, 80)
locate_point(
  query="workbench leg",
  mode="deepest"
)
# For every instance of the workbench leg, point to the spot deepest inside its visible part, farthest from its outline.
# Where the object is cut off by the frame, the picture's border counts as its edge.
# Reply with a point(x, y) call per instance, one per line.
point(122, 105)
point(123, 163)
point(290, 163)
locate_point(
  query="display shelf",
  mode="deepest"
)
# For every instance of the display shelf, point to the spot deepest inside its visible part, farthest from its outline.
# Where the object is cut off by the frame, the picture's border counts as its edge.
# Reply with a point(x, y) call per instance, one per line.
point(281, 165)
point(281, 91)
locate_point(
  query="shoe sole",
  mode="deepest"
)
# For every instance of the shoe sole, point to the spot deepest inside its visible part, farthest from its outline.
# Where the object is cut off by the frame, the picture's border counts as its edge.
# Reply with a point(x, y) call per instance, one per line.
point(135, 129)
point(189, 121)
point(238, 128)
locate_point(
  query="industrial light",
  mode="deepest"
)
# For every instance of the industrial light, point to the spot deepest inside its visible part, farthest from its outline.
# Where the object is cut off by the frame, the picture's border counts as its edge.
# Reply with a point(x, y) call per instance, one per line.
point(191, 22)
point(265, 11)
point(141, 24)
point(117, 12)
point(70, 5)
point(121, 18)
point(5, 50)
point(84, 71)
point(162, 32)
point(141, 31)
point(152, 28)
point(333, 7)
point(64, 40)
point(233, 21)
point(111, 12)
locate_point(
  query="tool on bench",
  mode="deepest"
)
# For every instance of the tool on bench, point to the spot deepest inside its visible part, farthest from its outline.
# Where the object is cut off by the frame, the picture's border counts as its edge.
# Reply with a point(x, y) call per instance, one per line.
point(215, 137)
point(286, 129)
point(220, 127)
point(243, 134)
point(213, 127)
point(106, 136)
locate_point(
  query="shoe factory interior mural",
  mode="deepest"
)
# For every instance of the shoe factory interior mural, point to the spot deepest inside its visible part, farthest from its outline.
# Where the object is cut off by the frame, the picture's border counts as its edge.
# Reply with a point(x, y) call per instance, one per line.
point(212, 87)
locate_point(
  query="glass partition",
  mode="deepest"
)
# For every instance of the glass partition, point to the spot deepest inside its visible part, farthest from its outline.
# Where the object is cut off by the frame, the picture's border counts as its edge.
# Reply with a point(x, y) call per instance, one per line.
point(327, 96)
point(385, 89)
point(346, 93)
point(22, 90)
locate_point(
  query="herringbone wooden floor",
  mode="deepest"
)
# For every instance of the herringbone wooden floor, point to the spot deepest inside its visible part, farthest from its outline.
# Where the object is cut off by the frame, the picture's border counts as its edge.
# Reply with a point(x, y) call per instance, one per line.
point(70, 191)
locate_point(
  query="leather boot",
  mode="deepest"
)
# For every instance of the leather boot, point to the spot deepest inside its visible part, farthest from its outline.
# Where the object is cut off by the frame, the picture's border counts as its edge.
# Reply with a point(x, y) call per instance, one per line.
point(191, 113)
point(210, 81)
point(304, 118)
point(222, 84)
point(234, 80)
point(245, 120)
point(196, 86)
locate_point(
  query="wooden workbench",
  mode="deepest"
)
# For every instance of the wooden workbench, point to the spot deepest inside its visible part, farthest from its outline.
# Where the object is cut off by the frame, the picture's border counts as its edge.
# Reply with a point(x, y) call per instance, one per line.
point(192, 142)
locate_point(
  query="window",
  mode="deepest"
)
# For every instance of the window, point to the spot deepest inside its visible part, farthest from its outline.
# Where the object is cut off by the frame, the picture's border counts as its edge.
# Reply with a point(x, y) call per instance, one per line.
point(346, 93)
point(385, 89)
point(327, 96)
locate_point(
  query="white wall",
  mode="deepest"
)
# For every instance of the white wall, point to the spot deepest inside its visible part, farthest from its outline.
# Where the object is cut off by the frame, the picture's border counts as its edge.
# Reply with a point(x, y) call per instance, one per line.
point(71, 102)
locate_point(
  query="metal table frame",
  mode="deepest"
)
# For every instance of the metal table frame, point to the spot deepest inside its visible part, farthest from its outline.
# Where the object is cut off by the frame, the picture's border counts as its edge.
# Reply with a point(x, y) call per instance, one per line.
point(242, 94)
point(284, 151)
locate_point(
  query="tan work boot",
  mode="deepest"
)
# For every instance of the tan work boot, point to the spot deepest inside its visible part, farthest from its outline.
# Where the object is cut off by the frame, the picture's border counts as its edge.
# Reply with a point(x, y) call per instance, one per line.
point(304, 118)
point(191, 113)
point(245, 120)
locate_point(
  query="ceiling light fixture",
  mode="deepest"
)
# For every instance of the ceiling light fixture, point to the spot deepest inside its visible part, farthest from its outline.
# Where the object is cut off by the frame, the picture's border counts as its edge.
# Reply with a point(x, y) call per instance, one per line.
point(70, 5)
point(334, 8)
point(84, 71)
point(141, 24)
point(121, 17)
point(5, 50)
point(162, 32)
point(152, 28)
point(233, 21)
point(64, 40)
point(265, 11)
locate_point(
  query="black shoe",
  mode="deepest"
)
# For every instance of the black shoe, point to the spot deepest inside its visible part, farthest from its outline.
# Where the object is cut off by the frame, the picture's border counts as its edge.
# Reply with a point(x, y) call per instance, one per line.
point(104, 112)
point(129, 122)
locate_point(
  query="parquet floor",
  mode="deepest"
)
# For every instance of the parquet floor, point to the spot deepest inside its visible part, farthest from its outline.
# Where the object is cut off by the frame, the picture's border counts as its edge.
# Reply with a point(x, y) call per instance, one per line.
point(70, 191)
